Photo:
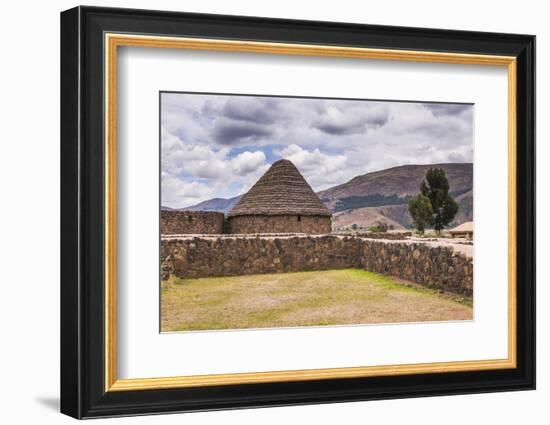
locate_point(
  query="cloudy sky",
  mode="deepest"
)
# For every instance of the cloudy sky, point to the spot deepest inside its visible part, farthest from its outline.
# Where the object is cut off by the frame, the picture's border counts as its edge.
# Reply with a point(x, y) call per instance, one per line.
point(218, 145)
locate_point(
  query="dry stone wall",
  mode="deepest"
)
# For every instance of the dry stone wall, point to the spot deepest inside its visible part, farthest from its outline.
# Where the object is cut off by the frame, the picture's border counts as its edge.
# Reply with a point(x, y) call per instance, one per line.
point(175, 222)
point(313, 225)
point(438, 267)
point(202, 257)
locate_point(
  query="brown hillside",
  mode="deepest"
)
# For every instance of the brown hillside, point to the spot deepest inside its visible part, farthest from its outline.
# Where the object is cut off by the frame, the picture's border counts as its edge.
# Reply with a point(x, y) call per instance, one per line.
point(399, 181)
point(382, 196)
point(363, 217)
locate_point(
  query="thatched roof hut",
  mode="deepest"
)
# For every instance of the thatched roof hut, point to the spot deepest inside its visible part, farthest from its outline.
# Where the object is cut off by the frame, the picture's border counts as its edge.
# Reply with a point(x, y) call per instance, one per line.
point(280, 201)
point(281, 190)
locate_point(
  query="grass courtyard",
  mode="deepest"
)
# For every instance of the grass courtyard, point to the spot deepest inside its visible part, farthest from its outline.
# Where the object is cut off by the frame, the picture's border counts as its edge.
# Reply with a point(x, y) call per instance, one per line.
point(332, 297)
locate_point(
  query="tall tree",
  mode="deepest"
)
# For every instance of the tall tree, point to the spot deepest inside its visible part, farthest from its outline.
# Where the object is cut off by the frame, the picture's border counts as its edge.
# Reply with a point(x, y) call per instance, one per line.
point(435, 187)
point(420, 209)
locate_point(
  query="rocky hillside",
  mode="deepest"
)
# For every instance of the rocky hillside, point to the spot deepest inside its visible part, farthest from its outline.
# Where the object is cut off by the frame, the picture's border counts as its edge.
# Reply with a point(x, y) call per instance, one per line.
point(380, 196)
point(383, 195)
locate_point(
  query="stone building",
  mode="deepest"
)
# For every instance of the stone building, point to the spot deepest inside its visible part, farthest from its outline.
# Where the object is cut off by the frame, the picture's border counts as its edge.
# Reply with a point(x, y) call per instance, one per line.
point(281, 201)
point(182, 222)
point(465, 230)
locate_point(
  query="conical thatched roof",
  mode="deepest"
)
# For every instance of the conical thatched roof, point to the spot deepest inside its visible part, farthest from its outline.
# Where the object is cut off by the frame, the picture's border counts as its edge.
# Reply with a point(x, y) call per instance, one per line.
point(280, 191)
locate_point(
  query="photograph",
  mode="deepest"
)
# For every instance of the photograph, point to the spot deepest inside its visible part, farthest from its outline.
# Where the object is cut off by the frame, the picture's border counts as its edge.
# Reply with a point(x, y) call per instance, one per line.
point(281, 212)
point(286, 210)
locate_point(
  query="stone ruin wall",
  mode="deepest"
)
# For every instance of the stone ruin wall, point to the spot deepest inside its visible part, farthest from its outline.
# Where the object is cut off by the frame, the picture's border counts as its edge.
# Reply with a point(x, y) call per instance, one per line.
point(421, 263)
point(247, 224)
point(174, 222)
point(196, 257)
point(204, 257)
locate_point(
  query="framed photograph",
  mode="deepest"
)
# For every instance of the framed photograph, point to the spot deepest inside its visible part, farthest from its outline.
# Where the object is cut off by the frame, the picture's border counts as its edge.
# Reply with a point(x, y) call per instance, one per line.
point(261, 212)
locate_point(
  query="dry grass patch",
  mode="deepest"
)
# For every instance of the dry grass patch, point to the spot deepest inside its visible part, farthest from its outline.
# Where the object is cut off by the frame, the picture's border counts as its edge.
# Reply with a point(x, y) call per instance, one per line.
point(332, 297)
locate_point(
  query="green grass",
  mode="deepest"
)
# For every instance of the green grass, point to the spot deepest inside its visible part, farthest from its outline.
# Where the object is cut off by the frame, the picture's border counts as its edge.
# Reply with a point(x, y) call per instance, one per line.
point(332, 297)
point(374, 200)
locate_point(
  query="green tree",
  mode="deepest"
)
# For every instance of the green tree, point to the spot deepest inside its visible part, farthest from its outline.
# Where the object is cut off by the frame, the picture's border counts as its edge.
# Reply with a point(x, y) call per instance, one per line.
point(435, 187)
point(420, 209)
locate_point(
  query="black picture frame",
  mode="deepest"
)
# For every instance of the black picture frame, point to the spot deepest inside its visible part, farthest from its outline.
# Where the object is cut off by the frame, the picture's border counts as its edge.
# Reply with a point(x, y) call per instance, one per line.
point(83, 392)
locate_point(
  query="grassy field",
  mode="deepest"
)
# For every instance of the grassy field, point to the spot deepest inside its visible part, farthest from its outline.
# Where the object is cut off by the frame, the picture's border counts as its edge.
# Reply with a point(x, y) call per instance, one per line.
point(332, 297)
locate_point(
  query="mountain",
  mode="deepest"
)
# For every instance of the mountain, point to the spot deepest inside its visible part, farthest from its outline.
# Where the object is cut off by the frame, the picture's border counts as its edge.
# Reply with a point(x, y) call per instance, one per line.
point(215, 204)
point(383, 195)
point(364, 217)
point(392, 186)
point(380, 196)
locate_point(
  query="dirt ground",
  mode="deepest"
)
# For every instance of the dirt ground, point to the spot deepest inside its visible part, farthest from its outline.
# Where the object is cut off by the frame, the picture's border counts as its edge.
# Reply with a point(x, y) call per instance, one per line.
point(332, 297)
point(460, 245)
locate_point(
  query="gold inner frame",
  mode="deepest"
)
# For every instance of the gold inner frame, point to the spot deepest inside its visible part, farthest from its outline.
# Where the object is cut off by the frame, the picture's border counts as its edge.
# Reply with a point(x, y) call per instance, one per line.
point(113, 41)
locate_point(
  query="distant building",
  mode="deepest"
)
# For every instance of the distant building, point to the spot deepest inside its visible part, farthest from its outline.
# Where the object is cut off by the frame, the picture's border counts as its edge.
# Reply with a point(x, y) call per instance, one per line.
point(465, 230)
point(281, 201)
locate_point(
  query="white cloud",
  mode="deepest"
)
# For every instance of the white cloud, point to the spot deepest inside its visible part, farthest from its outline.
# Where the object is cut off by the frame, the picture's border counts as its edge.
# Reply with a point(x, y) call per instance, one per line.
point(248, 162)
point(350, 118)
point(178, 193)
point(193, 173)
point(330, 141)
point(320, 170)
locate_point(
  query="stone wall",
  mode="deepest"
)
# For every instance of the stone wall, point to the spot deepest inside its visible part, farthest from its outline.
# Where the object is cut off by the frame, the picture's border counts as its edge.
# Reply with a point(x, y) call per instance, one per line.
point(439, 267)
point(202, 257)
point(224, 256)
point(174, 222)
point(312, 225)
